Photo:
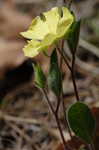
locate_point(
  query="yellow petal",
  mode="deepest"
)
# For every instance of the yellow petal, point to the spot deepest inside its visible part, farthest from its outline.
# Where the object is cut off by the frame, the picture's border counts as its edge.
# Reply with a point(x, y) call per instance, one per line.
point(52, 19)
point(49, 40)
point(33, 47)
point(65, 22)
point(37, 30)
point(47, 29)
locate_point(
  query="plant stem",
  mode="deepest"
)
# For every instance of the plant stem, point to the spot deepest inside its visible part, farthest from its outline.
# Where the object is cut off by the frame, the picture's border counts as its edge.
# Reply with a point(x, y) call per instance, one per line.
point(73, 77)
point(60, 130)
point(48, 101)
point(63, 104)
point(71, 68)
point(58, 104)
point(65, 60)
point(65, 119)
point(66, 147)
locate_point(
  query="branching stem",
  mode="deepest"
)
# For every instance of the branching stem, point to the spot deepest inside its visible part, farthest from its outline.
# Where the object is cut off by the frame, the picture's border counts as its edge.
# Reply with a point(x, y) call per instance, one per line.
point(71, 68)
point(66, 147)
point(65, 60)
point(62, 99)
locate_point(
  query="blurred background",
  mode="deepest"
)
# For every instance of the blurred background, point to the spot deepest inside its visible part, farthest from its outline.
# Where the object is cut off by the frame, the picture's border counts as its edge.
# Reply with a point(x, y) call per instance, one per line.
point(23, 109)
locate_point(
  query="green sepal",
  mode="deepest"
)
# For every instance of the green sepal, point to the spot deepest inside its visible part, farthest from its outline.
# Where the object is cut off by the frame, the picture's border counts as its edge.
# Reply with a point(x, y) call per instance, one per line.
point(54, 77)
point(40, 78)
point(73, 36)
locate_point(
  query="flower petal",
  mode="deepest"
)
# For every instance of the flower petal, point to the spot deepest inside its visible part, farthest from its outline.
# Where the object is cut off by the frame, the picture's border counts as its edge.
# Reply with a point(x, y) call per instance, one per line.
point(37, 30)
point(31, 49)
point(64, 23)
point(50, 27)
point(34, 47)
point(52, 19)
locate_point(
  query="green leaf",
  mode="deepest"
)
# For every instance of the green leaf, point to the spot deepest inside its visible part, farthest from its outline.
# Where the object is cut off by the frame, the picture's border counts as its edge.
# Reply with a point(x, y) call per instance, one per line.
point(73, 37)
point(40, 78)
point(81, 121)
point(54, 77)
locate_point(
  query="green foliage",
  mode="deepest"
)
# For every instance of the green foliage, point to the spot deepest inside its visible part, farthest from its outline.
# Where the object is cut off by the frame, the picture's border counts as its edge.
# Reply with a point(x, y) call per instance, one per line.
point(54, 77)
point(73, 37)
point(40, 78)
point(81, 121)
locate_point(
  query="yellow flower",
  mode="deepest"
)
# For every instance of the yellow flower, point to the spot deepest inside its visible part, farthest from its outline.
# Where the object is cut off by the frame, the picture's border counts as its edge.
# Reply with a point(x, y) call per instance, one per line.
point(47, 29)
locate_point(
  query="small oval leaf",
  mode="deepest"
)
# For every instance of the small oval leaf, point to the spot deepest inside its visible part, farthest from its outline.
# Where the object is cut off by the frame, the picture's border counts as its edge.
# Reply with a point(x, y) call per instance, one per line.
point(81, 121)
